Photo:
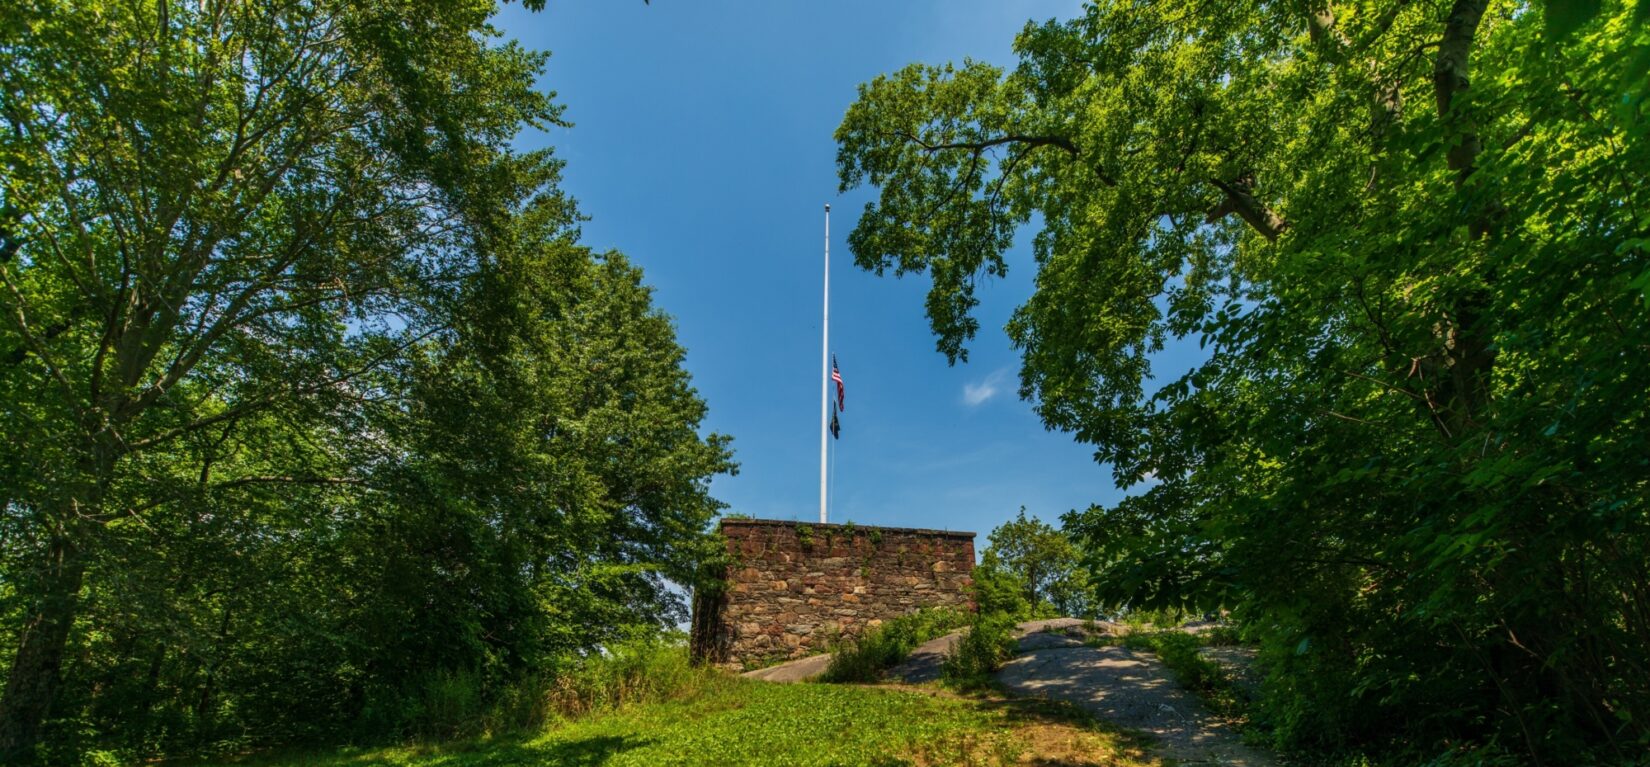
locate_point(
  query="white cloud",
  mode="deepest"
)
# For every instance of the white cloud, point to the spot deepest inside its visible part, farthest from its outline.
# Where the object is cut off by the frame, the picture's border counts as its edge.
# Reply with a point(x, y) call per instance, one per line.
point(976, 394)
point(1147, 481)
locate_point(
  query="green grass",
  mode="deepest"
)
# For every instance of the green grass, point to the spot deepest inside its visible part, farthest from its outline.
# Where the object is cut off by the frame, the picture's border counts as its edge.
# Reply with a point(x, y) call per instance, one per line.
point(740, 722)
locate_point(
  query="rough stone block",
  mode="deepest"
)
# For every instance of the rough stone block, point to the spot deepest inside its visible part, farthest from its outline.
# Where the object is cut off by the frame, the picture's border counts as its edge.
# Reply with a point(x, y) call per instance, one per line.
point(786, 599)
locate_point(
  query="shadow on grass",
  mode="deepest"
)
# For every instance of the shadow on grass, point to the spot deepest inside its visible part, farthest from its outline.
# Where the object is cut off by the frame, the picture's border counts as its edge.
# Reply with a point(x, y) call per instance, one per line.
point(1037, 719)
point(1042, 711)
point(586, 752)
point(1053, 733)
point(592, 751)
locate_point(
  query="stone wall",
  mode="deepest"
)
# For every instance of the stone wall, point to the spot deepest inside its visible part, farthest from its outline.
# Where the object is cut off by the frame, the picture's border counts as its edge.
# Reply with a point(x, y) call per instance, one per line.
point(794, 586)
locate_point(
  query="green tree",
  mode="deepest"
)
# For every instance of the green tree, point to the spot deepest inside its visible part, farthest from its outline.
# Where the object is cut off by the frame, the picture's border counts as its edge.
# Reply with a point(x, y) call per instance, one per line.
point(212, 211)
point(1046, 561)
point(309, 392)
point(998, 590)
point(1409, 238)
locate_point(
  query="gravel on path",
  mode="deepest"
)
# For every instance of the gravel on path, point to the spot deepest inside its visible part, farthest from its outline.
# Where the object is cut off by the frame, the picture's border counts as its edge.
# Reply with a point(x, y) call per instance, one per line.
point(1131, 689)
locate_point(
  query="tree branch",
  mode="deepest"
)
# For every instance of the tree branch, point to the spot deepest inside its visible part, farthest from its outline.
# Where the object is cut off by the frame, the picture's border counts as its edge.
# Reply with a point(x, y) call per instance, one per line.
point(1060, 142)
point(273, 397)
point(246, 481)
point(1449, 79)
point(1238, 200)
point(1012, 138)
point(1320, 25)
point(32, 342)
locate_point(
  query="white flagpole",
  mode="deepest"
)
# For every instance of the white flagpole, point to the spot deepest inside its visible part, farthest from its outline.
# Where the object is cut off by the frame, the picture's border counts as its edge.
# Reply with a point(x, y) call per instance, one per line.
point(825, 374)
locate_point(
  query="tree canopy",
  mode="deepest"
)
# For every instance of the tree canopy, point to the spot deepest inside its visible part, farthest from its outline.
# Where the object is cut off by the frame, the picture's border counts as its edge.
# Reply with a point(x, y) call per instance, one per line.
point(1046, 562)
point(1409, 239)
point(312, 398)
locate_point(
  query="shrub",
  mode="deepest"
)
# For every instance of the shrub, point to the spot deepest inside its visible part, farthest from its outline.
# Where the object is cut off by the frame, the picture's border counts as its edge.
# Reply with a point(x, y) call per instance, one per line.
point(988, 644)
point(431, 705)
point(638, 671)
point(866, 658)
point(997, 590)
point(449, 704)
point(1153, 619)
point(1225, 635)
point(1179, 652)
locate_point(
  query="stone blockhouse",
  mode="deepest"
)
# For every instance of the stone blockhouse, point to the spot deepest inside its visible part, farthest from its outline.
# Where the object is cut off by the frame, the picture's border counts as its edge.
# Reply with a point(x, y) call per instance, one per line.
point(792, 587)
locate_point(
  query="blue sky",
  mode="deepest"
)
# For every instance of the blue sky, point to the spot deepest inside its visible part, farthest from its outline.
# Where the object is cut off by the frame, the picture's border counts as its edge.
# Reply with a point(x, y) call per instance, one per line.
point(702, 149)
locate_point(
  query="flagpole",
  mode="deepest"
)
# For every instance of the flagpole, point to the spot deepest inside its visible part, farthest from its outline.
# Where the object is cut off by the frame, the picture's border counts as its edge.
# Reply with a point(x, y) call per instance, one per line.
point(825, 372)
point(833, 468)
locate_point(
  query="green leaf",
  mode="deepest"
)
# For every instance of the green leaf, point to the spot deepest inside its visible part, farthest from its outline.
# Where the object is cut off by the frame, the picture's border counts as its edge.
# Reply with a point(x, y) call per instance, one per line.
point(1638, 64)
point(1641, 283)
point(1564, 17)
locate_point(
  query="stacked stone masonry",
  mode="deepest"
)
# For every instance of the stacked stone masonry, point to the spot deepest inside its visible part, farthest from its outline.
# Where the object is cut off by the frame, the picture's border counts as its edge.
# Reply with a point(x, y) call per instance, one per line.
point(794, 587)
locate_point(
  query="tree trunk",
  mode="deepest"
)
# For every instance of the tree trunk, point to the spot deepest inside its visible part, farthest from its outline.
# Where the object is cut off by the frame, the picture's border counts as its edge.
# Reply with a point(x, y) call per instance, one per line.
point(31, 686)
point(1463, 384)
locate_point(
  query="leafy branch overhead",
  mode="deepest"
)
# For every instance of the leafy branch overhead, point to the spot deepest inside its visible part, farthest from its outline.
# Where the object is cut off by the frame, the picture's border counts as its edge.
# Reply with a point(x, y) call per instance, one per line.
point(1398, 243)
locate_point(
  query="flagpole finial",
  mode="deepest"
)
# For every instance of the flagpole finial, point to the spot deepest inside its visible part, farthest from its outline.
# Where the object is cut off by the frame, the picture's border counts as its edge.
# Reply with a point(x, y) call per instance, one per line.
point(827, 207)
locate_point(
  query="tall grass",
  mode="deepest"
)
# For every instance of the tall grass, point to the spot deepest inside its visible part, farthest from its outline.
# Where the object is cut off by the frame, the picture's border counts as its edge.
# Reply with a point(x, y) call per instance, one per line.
point(865, 659)
point(637, 672)
point(449, 704)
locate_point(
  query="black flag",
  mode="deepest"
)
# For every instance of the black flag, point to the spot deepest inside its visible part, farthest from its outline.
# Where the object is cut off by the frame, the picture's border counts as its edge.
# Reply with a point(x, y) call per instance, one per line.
point(836, 427)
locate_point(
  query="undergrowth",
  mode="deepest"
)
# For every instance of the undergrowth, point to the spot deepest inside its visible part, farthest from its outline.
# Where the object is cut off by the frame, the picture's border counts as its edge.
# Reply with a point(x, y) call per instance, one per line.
point(987, 645)
point(865, 659)
point(443, 705)
point(1179, 652)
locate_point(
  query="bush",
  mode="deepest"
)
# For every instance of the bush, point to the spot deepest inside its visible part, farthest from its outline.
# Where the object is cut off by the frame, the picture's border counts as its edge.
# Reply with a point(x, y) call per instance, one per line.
point(639, 671)
point(448, 704)
point(431, 705)
point(997, 590)
point(1156, 619)
point(865, 659)
point(988, 644)
point(1224, 635)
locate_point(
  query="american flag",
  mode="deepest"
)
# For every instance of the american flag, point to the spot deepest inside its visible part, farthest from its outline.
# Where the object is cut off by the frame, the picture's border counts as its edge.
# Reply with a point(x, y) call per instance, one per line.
point(836, 375)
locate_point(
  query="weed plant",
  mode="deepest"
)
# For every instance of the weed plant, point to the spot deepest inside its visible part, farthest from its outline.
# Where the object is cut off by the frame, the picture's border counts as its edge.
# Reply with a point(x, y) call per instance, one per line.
point(865, 659)
point(1180, 652)
point(988, 644)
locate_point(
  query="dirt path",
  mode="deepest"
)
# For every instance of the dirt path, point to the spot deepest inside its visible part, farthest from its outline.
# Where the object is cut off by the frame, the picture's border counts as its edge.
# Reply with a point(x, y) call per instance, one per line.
point(1130, 689)
point(1121, 686)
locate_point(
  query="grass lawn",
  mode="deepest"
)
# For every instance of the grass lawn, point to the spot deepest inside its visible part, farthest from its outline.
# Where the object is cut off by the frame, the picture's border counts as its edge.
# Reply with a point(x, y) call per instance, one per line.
point(741, 722)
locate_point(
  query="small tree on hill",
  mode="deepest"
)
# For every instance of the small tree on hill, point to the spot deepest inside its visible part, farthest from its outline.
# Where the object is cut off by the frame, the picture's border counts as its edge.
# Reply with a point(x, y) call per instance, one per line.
point(1046, 563)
